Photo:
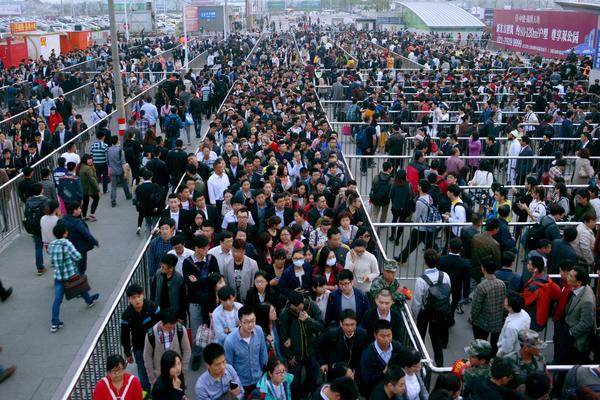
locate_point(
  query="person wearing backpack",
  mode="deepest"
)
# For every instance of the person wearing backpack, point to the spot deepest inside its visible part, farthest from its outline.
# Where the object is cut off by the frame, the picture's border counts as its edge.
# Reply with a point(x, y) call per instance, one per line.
point(431, 304)
point(172, 125)
point(380, 193)
point(487, 306)
point(34, 211)
point(365, 142)
point(168, 334)
point(424, 212)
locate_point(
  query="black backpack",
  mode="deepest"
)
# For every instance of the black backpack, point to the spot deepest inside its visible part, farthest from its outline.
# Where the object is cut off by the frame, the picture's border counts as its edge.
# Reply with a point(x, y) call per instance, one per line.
point(380, 191)
point(157, 200)
point(468, 211)
point(437, 299)
point(33, 215)
point(537, 232)
point(172, 127)
point(178, 328)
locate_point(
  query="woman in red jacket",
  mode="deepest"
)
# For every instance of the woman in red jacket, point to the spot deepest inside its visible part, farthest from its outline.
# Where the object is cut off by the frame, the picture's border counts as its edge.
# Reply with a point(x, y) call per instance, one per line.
point(54, 120)
point(118, 384)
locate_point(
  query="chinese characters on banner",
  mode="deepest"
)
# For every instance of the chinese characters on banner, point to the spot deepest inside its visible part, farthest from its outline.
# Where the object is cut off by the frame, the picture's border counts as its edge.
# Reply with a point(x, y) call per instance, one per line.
point(18, 27)
point(547, 33)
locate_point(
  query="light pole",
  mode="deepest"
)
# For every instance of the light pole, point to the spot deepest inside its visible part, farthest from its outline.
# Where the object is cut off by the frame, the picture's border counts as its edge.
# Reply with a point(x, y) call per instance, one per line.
point(126, 21)
point(185, 39)
point(114, 48)
point(225, 21)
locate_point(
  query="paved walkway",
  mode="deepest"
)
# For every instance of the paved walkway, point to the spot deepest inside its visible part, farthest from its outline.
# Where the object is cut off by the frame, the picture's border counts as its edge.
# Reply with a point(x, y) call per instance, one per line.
point(42, 358)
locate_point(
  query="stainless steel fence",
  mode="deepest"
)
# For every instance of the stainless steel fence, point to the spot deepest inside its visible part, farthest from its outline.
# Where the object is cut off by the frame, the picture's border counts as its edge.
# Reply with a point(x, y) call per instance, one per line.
point(11, 208)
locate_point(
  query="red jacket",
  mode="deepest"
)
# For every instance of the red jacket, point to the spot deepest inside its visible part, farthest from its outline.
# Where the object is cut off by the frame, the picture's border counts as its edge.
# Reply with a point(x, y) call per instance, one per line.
point(563, 299)
point(53, 121)
point(542, 296)
point(129, 391)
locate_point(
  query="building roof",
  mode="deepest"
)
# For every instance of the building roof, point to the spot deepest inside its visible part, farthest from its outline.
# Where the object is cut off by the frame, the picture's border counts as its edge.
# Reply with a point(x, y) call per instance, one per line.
point(578, 5)
point(442, 15)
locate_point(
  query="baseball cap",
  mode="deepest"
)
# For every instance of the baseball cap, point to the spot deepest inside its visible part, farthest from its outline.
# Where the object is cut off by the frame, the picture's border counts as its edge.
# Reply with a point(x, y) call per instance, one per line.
point(530, 338)
point(479, 348)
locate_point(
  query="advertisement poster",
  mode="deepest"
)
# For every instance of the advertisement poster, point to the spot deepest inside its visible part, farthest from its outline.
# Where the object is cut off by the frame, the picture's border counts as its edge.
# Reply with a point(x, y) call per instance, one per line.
point(547, 33)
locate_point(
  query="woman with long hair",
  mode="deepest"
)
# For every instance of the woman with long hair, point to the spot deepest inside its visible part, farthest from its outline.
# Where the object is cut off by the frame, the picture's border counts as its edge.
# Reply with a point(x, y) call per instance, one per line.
point(285, 181)
point(301, 196)
point(89, 183)
point(261, 291)
point(210, 299)
point(267, 319)
point(562, 197)
point(264, 250)
point(170, 385)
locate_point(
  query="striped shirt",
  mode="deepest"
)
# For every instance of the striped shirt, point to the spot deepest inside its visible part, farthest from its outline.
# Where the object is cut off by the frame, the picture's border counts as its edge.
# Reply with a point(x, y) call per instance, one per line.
point(64, 259)
point(99, 152)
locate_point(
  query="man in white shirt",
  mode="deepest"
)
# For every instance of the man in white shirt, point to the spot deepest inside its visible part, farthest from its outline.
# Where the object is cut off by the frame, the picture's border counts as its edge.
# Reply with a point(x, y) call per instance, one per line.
point(223, 252)
point(458, 211)
point(517, 320)
point(150, 111)
point(179, 250)
point(513, 151)
point(71, 154)
point(218, 183)
point(438, 328)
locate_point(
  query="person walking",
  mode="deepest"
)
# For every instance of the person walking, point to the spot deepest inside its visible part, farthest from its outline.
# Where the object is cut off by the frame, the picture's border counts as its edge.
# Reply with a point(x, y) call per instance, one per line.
point(118, 384)
point(380, 193)
point(65, 259)
point(149, 202)
point(79, 234)
point(89, 184)
point(99, 151)
point(34, 210)
point(119, 170)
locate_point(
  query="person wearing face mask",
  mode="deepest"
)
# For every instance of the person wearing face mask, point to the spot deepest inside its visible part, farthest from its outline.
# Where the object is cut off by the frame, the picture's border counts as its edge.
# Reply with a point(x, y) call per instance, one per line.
point(296, 277)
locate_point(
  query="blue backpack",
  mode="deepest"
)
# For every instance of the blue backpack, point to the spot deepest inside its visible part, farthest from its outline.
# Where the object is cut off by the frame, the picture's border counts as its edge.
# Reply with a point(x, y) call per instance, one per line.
point(433, 216)
point(361, 139)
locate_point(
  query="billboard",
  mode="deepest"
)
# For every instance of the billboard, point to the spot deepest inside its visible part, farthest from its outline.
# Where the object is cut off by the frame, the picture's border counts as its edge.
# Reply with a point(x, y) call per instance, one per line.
point(210, 18)
point(10, 9)
point(547, 33)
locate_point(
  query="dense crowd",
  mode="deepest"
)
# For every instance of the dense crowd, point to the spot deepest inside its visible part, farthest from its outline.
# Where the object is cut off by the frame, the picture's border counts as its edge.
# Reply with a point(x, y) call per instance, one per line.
point(264, 266)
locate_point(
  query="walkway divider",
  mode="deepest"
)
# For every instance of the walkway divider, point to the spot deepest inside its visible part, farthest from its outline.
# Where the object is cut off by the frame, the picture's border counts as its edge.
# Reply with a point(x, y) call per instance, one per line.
point(104, 339)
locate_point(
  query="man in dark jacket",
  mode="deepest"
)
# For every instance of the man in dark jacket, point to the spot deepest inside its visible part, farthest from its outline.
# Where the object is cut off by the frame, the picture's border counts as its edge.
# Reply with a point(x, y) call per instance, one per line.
point(300, 322)
point(79, 234)
point(458, 268)
point(496, 386)
point(34, 210)
point(383, 310)
point(376, 357)
point(167, 288)
point(136, 320)
point(563, 250)
point(176, 162)
point(160, 170)
point(346, 296)
point(344, 343)
point(148, 201)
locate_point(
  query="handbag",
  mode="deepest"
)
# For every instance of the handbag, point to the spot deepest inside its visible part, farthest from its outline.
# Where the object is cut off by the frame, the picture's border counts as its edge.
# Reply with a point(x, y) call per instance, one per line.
point(188, 119)
point(204, 335)
point(76, 286)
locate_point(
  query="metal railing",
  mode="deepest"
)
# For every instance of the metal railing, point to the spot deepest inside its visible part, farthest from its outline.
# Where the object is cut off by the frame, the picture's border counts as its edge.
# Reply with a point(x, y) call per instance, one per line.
point(81, 380)
point(11, 210)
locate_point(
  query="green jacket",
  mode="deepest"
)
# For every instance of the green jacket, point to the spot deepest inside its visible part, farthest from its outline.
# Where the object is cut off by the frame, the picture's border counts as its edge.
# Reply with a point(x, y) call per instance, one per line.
point(264, 391)
point(472, 373)
point(88, 180)
point(302, 334)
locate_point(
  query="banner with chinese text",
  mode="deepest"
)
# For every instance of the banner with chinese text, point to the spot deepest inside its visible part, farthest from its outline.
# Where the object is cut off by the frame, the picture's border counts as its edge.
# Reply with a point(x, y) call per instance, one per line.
point(547, 33)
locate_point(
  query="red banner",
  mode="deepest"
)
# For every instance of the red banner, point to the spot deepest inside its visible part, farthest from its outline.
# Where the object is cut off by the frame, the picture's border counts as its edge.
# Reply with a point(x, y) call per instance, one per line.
point(547, 33)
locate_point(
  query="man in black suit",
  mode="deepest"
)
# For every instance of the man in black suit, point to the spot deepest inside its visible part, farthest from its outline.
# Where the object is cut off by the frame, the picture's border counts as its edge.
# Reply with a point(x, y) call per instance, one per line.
point(182, 218)
point(176, 163)
point(32, 156)
point(63, 107)
point(62, 136)
point(43, 147)
point(209, 211)
point(383, 310)
point(285, 213)
point(458, 269)
point(147, 205)
point(317, 212)
point(372, 362)
point(159, 170)
point(260, 209)
point(243, 217)
point(345, 342)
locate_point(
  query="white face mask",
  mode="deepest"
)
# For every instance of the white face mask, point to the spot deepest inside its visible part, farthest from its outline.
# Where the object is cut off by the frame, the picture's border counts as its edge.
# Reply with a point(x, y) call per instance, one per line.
point(331, 262)
point(298, 263)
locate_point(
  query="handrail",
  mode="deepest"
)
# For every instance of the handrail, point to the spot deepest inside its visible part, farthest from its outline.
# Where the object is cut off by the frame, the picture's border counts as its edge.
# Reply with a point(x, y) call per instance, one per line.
point(93, 342)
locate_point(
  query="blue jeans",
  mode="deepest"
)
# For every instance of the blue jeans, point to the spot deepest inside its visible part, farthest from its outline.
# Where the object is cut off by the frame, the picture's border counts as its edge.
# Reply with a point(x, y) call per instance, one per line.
point(138, 355)
point(115, 179)
point(39, 252)
point(59, 293)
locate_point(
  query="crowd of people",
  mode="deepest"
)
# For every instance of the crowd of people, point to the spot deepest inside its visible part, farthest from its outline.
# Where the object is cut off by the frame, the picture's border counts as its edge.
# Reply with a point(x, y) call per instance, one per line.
point(264, 267)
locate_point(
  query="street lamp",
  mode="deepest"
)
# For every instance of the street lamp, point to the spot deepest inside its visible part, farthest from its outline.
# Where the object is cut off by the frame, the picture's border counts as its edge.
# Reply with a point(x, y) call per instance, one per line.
point(185, 41)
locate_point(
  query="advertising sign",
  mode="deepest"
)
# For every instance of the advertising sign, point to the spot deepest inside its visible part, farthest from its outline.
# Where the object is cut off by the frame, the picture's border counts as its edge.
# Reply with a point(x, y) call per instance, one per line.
point(210, 18)
point(547, 33)
point(18, 27)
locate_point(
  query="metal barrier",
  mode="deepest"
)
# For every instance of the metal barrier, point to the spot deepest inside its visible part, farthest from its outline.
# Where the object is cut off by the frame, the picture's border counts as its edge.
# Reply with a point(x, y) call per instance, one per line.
point(11, 208)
